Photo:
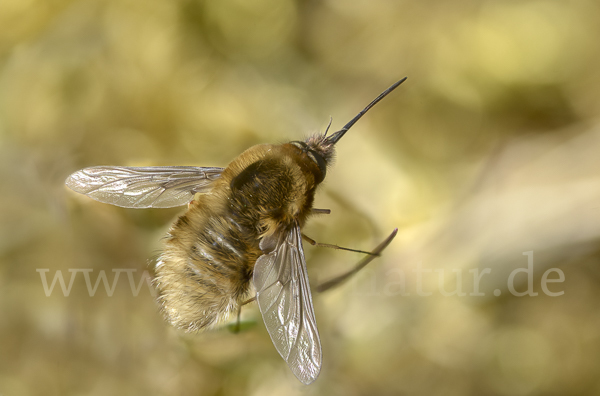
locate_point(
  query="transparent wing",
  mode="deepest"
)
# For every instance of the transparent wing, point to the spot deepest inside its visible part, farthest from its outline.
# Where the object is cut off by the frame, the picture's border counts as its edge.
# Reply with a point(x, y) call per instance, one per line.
point(285, 302)
point(146, 187)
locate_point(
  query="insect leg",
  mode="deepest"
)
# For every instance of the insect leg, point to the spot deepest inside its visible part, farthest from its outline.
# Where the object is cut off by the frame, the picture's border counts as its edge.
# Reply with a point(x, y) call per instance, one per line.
point(320, 211)
point(328, 245)
point(361, 264)
point(236, 328)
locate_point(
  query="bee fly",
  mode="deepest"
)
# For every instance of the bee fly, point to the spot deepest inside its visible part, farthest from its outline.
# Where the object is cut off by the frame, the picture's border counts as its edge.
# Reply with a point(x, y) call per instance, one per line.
point(244, 224)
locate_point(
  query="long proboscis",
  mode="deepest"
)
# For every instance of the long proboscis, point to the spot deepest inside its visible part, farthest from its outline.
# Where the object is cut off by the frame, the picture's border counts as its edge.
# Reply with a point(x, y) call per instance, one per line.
point(338, 135)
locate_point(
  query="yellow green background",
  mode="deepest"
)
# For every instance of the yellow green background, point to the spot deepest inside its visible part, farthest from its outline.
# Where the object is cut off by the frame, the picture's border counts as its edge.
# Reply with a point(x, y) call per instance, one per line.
point(489, 150)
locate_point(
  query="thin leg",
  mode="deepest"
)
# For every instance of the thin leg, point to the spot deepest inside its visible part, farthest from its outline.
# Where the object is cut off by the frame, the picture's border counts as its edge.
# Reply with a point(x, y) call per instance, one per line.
point(320, 211)
point(236, 329)
point(361, 264)
point(327, 245)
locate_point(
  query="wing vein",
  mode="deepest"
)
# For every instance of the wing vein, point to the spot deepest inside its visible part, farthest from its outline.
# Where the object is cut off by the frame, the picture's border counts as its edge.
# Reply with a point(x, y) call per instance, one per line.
point(288, 312)
point(143, 187)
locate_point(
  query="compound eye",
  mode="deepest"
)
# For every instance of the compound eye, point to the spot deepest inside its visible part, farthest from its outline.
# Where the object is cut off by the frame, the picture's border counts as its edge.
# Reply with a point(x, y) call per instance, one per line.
point(301, 145)
point(320, 161)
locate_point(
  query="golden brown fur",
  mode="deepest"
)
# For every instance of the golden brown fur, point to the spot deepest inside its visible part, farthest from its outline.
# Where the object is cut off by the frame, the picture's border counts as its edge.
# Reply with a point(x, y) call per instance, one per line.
point(208, 261)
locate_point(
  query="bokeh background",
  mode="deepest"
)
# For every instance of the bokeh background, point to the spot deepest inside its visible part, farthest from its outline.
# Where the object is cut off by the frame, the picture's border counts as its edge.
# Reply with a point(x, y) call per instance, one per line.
point(489, 150)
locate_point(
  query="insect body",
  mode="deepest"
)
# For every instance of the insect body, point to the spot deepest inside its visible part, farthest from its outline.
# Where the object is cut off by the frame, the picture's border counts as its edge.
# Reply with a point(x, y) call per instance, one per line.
point(244, 227)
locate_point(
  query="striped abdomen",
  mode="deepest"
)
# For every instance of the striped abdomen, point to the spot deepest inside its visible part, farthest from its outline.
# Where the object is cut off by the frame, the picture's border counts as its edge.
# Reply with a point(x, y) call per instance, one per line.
point(207, 265)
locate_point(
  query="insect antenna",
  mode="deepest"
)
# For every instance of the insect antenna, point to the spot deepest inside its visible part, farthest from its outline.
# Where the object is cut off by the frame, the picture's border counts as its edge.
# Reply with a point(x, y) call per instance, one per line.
point(338, 135)
point(328, 125)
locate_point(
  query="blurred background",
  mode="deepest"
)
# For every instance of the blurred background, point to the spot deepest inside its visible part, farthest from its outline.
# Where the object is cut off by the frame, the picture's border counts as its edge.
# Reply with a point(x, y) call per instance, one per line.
point(488, 151)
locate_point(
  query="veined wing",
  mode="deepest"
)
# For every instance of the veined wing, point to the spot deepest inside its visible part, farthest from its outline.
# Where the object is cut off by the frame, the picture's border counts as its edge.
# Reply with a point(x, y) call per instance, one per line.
point(285, 302)
point(144, 187)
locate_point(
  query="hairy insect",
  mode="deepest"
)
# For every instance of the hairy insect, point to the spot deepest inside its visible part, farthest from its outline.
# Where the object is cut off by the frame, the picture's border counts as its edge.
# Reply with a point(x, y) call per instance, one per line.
point(243, 225)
